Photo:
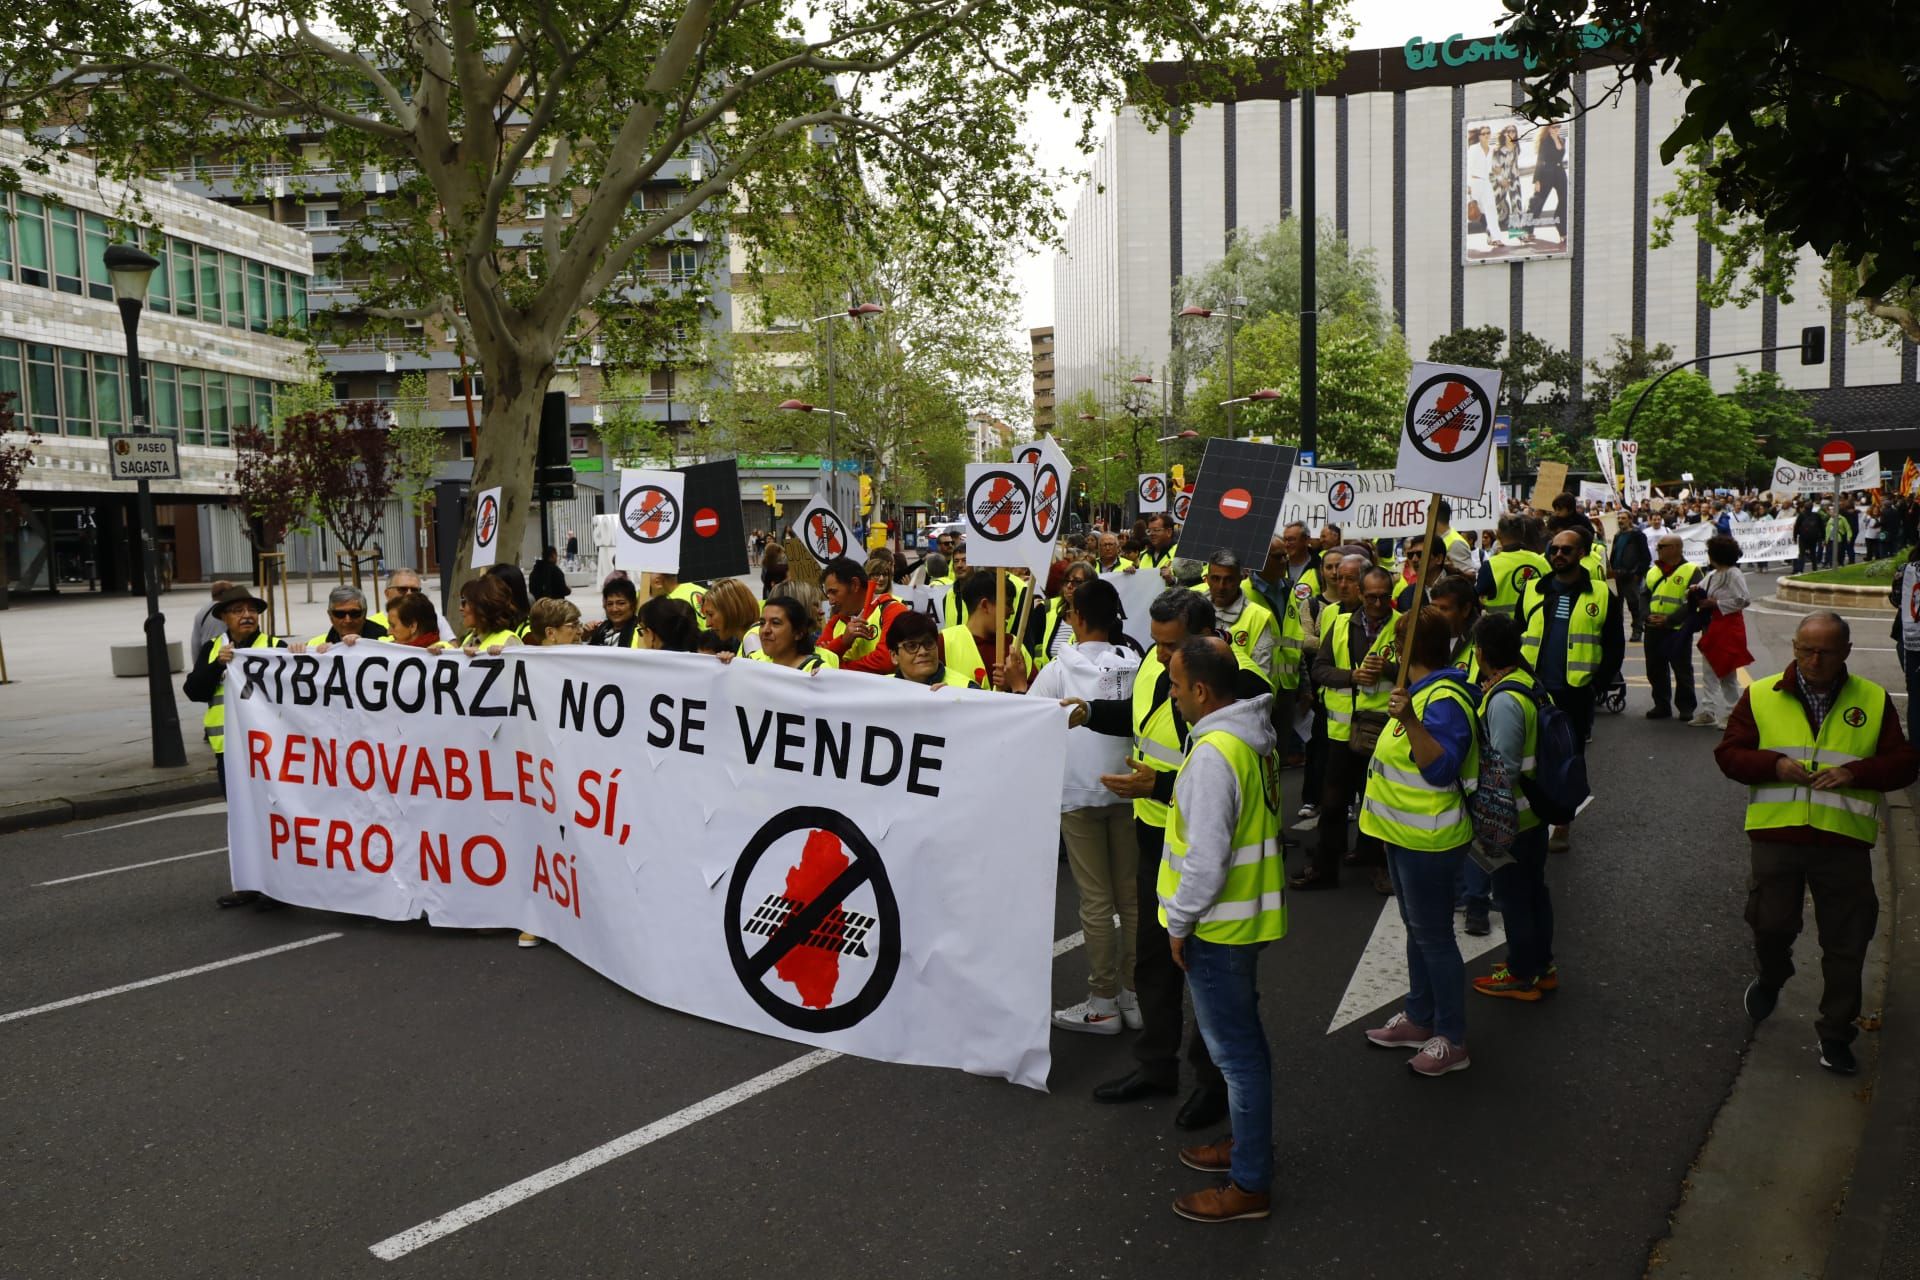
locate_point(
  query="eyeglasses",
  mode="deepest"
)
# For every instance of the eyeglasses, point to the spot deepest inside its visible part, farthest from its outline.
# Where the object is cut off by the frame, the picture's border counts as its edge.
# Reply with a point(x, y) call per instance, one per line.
point(915, 646)
point(1802, 651)
point(348, 613)
point(403, 590)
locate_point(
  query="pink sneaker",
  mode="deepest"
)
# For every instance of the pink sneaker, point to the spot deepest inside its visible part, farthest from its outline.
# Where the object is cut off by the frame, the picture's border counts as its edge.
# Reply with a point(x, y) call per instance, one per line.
point(1399, 1033)
point(1439, 1056)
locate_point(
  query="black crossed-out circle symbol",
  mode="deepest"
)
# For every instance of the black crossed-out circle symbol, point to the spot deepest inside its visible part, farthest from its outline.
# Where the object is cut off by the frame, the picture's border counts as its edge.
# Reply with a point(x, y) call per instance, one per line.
point(1046, 500)
point(1150, 488)
point(1181, 502)
point(826, 534)
point(864, 867)
point(487, 522)
point(997, 505)
point(1029, 456)
point(649, 514)
point(1340, 497)
point(1449, 418)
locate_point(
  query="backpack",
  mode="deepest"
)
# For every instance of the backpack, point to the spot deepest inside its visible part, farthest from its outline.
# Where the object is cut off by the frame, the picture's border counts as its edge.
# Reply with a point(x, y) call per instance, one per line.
point(1559, 785)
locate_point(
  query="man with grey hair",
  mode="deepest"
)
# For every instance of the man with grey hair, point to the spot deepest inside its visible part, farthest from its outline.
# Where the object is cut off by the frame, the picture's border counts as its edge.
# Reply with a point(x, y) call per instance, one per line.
point(400, 582)
point(1249, 626)
point(347, 611)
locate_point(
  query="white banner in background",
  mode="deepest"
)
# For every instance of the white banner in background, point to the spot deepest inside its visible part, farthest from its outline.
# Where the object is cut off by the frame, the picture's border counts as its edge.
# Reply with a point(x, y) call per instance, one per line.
point(769, 849)
point(1368, 504)
point(1790, 478)
point(1603, 450)
point(1137, 591)
point(1594, 491)
point(1630, 487)
point(1760, 541)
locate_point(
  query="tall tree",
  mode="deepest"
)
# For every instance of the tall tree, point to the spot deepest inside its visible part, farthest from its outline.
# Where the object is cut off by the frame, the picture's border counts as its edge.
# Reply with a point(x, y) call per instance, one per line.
point(766, 115)
point(1799, 128)
point(1685, 428)
point(1778, 416)
point(1532, 371)
point(1363, 386)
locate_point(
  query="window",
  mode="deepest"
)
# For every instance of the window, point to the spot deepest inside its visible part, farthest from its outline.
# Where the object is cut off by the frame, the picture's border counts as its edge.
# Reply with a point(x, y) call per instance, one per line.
point(682, 263)
point(160, 290)
point(300, 300)
point(385, 389)
point(240, 397)
point(6, 241)
point(98, 234)
point(470, 387)
point(343, 388)
point(30, 228)
point(322, 216)
point(64, 226)
point(193, 416)
point(234, 300)
point(165, 409)
point(209, 285)
point(216, 409)
point(77, 404)
point(277, 295)
point(106, 394)
point(262, 402)
point(257, 297)
point(43, 389)
point(10, 383)
point(184, 293)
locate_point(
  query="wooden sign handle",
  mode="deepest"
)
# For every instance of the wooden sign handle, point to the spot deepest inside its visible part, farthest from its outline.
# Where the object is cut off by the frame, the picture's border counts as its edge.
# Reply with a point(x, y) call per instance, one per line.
point(1419, 591)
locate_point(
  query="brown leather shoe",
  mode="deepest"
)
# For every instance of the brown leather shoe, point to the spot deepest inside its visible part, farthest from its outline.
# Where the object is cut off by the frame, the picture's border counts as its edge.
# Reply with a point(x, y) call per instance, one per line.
point(1224, 1203)
point(1215, 1157)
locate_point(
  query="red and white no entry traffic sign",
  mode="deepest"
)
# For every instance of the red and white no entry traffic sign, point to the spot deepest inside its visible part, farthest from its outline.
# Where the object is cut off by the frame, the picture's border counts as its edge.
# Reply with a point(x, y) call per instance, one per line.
point(1835, 457)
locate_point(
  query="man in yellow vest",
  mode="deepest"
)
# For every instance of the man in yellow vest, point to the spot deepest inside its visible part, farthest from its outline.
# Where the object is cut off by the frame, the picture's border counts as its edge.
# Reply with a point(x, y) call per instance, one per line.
point(1668, 641)
point(980, 648)
point(1570, 634)
point(1508, 570)
point(1817, 747)
point(1111, 561)
point(1459, 552)
point(1249, 625)
point(1354, 665)
point(859, 611)
point(1159, 732)
point(1162, 546)
point(241, 611)
point(1221, 900)
point(401, 582)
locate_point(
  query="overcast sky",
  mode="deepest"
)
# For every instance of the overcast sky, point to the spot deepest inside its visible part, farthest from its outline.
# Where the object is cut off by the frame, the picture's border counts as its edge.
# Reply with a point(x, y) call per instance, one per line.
point(1380, 24)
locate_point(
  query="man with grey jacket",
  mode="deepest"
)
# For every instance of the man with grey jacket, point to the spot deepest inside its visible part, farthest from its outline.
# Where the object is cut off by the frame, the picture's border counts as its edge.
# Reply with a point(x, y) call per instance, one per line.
point(1221, 878)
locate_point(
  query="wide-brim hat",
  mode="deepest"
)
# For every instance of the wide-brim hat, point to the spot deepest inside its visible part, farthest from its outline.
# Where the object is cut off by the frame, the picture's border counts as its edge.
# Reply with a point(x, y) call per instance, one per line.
point(237, 595)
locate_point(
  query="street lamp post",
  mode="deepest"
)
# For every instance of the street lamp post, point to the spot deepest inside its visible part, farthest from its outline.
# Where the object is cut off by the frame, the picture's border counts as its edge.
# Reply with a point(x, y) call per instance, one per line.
point(1232, 317)
point(132, 270)
point(856, 312)
point(1163, 441)
point(801, 406)
point(1264, 394)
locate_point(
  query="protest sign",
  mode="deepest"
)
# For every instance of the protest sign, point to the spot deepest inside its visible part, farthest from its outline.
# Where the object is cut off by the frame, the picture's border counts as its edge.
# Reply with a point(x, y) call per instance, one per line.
point(650, 521)
point(1368, 504)
point(486, 527)
point(1594, 491)
point(928, 598)
point(1630, 487)
point(1151, 489)
point(999, 515)
point(1051, 474)
point(1761, 541)
point(824, 532)
point(1792, 478)
point(715, 544)
point(1137, 590)
point(766, 848)
point(1604, 451)
point(1549, 482)
point(1446, 433)
point(1236, 500)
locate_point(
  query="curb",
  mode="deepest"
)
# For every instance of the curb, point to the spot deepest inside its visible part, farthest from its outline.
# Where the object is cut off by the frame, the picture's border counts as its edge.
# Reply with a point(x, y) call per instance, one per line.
point(1893, 1116)
point(34, 814)
point(1833, 595)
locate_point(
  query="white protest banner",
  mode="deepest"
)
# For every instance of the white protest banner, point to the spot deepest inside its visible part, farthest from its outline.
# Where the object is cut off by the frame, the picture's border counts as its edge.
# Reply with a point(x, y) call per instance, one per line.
point(1446, 433)
point(1594, 491)
point(1761, 541)
point(1604, 451)
point(1051, 473)
point(1791, 478)
point(486, 527)
point(762, 847)
point(1137, 591)
point(1151, 489)
point(650, 521)
point(928, 598)
point(1368, 504)
point(1631, 488)
point(999, 515)
point(825, 532)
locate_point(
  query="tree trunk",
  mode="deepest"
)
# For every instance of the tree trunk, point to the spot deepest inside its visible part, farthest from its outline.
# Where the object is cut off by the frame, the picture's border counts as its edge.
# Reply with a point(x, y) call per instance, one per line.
point(509, 436)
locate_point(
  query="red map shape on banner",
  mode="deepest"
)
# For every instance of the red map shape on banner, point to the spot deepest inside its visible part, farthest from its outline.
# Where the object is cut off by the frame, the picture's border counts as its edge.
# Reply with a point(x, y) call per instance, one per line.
point(814, 971)
point(651, 513)
point(999, 513)
point(825, 536)
point(1446, 436)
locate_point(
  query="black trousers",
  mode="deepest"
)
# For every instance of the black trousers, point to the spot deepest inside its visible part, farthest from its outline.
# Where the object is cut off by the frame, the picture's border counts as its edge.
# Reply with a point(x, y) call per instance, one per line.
point(1845, 909)
point(1670, 670)
point(1160, 984)
point(1346, 781)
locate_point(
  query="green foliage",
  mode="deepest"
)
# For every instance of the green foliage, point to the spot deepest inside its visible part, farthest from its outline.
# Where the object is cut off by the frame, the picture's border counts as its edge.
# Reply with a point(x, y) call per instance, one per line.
point(629, 436)
point(1781, 425)
point(1544, 444)
point(1684, 426)
point(416, 441)
point(1628, 360)
point(1530, 366)
point(1362, 387)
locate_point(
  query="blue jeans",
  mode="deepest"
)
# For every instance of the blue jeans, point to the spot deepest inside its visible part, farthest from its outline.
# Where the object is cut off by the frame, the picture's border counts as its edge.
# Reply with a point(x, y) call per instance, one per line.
point(1226, 1006)
point(1474, 892)
point(1436, 976)
point(1520, 891)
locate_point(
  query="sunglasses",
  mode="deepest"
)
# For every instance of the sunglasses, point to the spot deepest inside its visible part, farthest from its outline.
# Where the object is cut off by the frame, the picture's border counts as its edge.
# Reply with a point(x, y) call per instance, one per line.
point(405, 590)
point(349, 613)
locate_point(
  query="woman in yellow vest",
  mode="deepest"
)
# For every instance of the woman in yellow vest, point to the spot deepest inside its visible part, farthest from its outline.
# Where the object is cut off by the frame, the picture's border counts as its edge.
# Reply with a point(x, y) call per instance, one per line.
point(1057, 633)
point(1425, 762)
point(914, 641)
point(732, 614)
point(788, 632)
point(487, 619)
point(551, 621)
point(242, 612)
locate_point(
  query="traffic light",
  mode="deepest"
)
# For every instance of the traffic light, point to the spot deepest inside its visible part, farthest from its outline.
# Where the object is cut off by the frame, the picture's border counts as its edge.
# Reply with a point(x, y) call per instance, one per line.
point(766, 492)
point(866, 494)
point(1179, 476)
point(1813, 344)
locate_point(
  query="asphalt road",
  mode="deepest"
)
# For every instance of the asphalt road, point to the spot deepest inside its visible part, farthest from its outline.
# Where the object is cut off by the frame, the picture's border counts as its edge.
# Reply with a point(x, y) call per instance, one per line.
point(282, 1115)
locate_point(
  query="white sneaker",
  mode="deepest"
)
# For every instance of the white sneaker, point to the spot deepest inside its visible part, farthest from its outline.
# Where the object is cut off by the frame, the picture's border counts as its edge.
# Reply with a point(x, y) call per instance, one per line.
point(1704, 720)
point(528, 940)
point(1130, 1010)
point(1093, 1015)
point(1308, 811)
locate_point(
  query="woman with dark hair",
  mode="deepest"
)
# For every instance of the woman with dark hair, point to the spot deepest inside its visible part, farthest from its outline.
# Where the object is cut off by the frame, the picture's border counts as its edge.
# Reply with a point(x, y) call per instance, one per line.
point(516, 584)
point(412, 620)
point(1416, 805)
point(668, 624)
point(1723, 644)
point(487, 618)
point(788, 632)
point(1057, 634)
point(617, 600)
point(914, 641)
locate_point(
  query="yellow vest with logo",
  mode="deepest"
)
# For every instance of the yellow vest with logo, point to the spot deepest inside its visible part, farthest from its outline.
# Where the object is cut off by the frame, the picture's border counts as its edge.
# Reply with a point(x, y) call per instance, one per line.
point(808, 662)
point(1850, 732)
point(695, 594)
point(1669, 589)
point(1401, 807)
point(1528, 766)
point(1156, 743)
point(1290, 646)
point(1251, 906)
point(1342, 703)
point(1583, 631)
point(859, 648)
point(962, 653)
point(213, 723)
point(1512, 570)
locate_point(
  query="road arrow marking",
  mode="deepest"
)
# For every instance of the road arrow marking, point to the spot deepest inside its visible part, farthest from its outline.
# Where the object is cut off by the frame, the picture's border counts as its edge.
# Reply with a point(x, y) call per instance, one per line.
point(1380, 978)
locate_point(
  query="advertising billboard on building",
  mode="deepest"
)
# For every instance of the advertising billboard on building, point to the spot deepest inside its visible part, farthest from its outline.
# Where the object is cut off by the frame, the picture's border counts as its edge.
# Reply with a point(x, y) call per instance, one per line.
point(1518, 177)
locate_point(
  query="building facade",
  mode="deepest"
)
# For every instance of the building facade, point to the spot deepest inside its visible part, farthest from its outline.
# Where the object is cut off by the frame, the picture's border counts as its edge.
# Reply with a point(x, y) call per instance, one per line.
point(1401, 171)
point(213, 364)
point(1042, 340)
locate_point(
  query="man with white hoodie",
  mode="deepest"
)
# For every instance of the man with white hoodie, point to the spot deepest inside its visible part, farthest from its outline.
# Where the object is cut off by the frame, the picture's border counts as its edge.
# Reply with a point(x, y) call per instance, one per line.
point(1220, 891)
point(1096, 824)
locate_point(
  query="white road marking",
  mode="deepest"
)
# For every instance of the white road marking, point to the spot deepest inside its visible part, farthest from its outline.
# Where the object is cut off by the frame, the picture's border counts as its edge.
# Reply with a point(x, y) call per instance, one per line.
point(399, 1246)
point(218, 806)
point(131, 866)
point(70, 1001)
point(1381, 976)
